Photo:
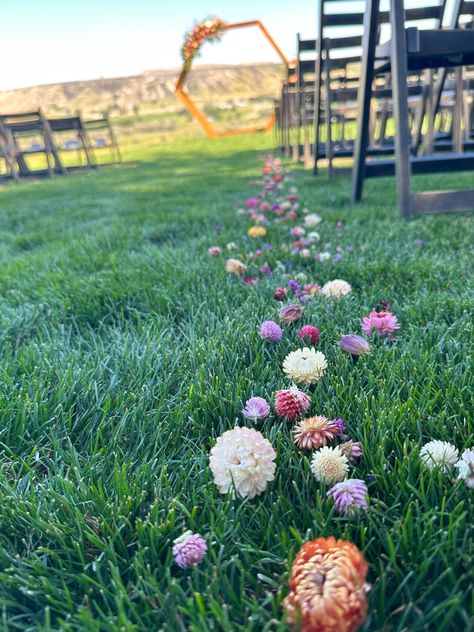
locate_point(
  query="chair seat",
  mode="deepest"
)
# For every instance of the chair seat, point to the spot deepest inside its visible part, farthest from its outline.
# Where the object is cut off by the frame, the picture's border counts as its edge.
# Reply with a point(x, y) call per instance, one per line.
point(431, 49)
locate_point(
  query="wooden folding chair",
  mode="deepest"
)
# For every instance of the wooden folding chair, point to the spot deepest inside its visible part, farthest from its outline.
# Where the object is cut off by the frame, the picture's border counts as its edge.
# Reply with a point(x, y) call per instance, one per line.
point(25, 127)
point(103, 124)
point(409, 49)
point(81, 145)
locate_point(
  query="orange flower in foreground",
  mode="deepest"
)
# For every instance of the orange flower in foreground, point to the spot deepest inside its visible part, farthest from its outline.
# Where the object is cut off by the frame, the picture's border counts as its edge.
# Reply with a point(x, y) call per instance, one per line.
point(327, 587)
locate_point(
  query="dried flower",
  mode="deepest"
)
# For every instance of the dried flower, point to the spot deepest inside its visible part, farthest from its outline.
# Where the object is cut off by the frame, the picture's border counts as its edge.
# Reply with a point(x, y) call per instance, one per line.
point(327, 587)
point(354, 344)
point(251, 280)
point(336, 288)
point(290, 313)
point(291, 404)
point(270, 330)
point(466, 467)
point(280, 294)
point(313, 219)
point(234, 266)
point(189, 549)
point(256, 408)
point(297, 231)
point(439, 454)
point(383, 323)
point(310, 289)
point(252, 202)
point(352, 450)
point(309, 334)
point(315, 432)
point(256, 231)
point(305, 365)
point(242, 459)
point(329, 465)
point(349, 496)
point(214, 251)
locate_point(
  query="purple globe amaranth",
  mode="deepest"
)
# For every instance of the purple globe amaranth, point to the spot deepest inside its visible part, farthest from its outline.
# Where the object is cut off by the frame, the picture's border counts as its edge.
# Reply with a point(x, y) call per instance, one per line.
point(256, 408)
point(270, 330)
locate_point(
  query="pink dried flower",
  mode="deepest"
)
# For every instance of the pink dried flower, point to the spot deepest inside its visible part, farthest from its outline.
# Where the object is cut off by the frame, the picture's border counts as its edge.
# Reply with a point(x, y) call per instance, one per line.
point(214, 251)
point(250, 280)
point(265, 206)
point(189, 549)
point(297, 231)
point(352, 450)
point(280, 293)
point(242, 460)
point(256, 408)
point(309, 334)
point(290, 313)
point(383, 323)
point(315, 432)
point(252, 202)
point(349, 496)
point(310, 289)
point(270, 330)
point(291, 403)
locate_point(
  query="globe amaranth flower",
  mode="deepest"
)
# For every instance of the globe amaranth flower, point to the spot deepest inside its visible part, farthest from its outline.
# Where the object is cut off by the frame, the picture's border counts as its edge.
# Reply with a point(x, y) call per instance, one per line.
point(336, 288)
point(352, 450)
point(350, 496)
point(256, 408)
point(214, 251)
point(242, 461)
point(234, 266)
point(189, 549)
point(315, 432)
point(383, 323)
point(354, 344)
point(466, 467)
point(291, 403)
point(252, 202)
point(270, 330)
point(439, 454)
point(290, 313)
point(256, 231)
point(327, 587)
point(329, 465)
point(309, 334)
point(305, 365)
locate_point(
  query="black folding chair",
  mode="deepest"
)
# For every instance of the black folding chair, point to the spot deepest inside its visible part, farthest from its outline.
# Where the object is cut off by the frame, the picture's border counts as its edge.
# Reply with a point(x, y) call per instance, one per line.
point(409, 49)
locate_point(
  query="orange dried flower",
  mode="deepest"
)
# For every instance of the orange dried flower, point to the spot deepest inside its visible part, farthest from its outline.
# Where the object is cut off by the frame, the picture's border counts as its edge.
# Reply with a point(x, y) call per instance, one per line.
point(315, 432)
point(327, 587)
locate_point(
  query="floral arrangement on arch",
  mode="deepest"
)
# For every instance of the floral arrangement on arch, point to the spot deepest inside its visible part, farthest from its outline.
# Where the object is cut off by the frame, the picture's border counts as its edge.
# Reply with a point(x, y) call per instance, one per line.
point(210, 30)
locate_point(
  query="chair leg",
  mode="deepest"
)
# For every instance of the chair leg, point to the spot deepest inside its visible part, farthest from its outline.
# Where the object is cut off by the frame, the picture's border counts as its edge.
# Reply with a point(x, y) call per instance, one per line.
point(400, 105)
point(364, 98)
point(327, 104)
point(317, 108)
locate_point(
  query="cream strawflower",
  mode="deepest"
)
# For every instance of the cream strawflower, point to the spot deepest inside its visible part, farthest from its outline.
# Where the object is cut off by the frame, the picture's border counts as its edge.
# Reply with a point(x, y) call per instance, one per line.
point(336, 288)
point(329, 465)
point(242, 459)
point(305, 365)
point(234, 266)
point(439, 454)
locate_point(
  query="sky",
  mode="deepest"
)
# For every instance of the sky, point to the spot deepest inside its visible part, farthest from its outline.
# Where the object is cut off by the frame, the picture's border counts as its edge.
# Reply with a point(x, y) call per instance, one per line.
point(49, 41)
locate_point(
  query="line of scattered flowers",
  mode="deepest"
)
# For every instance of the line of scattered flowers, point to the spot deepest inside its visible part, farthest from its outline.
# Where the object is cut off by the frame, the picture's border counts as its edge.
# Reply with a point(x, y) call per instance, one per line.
point(210, 30)
point(328, 578)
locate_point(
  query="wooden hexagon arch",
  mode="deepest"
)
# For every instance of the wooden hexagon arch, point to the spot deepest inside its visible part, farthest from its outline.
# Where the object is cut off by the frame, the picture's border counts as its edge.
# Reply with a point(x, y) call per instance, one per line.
point(199, 115)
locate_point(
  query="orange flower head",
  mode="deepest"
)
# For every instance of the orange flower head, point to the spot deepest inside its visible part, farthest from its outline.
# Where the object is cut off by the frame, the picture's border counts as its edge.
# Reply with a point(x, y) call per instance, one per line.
point(327, 587)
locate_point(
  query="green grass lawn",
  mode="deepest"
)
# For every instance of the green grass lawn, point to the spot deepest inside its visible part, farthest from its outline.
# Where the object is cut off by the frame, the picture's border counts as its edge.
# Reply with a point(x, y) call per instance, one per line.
point(126, 351)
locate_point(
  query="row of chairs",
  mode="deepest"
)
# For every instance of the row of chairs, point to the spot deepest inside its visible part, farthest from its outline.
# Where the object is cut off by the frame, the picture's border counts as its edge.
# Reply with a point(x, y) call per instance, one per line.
point(389, 89)
point(32, 144)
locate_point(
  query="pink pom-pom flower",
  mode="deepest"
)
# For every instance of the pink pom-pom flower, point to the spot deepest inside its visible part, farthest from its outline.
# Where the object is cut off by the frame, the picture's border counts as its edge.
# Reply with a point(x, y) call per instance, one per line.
point(309, 334)
point(189, 549)
point(291, 403)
